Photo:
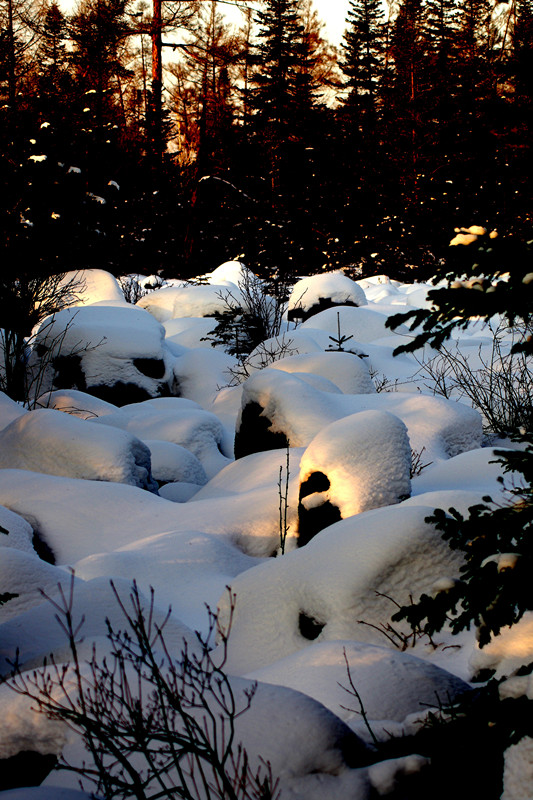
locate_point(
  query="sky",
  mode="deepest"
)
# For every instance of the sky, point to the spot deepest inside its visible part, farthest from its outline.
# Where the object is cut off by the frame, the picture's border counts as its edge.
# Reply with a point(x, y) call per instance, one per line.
point(333, 12)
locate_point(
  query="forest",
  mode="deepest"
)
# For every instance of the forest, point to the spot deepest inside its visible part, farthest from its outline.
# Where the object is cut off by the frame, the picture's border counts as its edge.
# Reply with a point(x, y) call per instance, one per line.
point(165, 139)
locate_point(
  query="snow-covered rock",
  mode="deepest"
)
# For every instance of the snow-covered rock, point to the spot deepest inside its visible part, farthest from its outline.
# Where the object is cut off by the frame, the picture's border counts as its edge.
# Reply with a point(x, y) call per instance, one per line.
point(313, 294)
point(391, 684)
point(279, 408)
point(79, 404)
point(9, 409)
point(176, 420)
point(88, 286)
point(45, 440)
point(346, 370)
point(357, 463)
point(188, 300)
point(336, 587)
point(115, 353)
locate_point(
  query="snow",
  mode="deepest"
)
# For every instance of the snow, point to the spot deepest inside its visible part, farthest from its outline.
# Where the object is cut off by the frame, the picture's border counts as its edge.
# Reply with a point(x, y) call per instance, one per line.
point(73, 479)
point(188, 300)
point(441, 427)
point(343, 576)
point(348, 372)
point(108, 340)
point(333, 286)
point(48, 441)
point(366, 458)
point(176, 420)
point(92, 286)
point(9, 410)
point(391, 685)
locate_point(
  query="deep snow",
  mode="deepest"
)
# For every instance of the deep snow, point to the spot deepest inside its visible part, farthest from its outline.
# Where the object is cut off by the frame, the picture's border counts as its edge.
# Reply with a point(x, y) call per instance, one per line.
point(77, 474)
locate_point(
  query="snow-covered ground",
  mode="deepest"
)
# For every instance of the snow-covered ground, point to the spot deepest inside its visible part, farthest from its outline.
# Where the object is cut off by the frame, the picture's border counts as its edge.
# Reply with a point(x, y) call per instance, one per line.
point(318, 542)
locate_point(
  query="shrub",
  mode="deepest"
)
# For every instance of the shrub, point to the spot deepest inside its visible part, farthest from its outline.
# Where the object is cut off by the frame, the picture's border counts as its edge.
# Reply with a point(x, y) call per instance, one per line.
point(154, 725)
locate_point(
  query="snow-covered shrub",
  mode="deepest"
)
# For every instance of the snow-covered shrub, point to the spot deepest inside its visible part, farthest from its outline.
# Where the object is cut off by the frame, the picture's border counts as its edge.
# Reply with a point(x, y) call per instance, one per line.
point(354, 464)
point(177, 724)
point(311, 295)
point(250, 315)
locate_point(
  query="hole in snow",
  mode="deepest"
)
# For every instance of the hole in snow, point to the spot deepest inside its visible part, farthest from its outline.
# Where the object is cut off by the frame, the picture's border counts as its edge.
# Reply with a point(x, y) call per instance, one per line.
point(42, 548)
point(151, 367)
point(254, 434)
point(316, 482)
point(309, 627)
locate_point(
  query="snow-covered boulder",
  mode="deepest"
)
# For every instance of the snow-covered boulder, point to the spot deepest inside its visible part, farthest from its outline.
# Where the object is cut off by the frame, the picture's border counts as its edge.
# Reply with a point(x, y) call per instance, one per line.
point(201, 372)
point(336, 587)
point(346, 370)
point(26, 576)
point(233, 272)
point(9, 409)
point(352, 465)
point(176, 420)
point(45, 440)
point(79, 404)
point(16, 532)
point(116, 353)
point(188, 300)
point(90, 286)
point(173, 463)
point(36, 633)
point(391, 684)
point(318, 292)
point(278, 408)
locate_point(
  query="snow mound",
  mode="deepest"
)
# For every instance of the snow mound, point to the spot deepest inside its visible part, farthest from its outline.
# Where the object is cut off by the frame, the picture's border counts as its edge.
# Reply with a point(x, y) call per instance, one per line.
point(189, 568)
point(188, 300)
point(93, 286)
point(27, 576)
point(337, 586)
point(9, 410)
point(37, 633)
point(363, 324)
point(313, 294)
point(45, 440)
point(229, 272)
point(107, 351)
point(200, 373)
point(79, 404)
point(390, 684)
point(174, 463)
point(179, 421)
point(278, 408)
point(355, 464)
point(16, 532)
point(107, 515)
point(345, 370)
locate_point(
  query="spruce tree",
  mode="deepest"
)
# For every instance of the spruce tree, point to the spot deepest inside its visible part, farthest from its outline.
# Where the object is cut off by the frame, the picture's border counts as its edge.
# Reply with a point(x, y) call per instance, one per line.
point(363, 65)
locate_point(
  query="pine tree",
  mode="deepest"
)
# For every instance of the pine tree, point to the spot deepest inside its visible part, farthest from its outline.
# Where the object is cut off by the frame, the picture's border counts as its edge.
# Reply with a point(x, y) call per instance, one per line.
point(363, 64)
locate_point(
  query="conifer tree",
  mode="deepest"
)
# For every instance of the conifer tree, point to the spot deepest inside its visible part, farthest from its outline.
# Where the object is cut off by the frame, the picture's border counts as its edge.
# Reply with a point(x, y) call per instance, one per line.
point(364, 48)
